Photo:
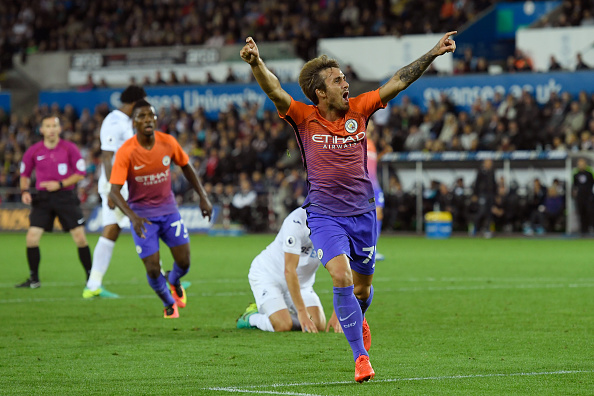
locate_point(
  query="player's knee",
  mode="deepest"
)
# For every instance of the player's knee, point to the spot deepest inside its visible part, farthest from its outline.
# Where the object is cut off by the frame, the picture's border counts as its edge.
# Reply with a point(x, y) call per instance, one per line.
point(282, 326)
point(79, 237)
point(362, 292)
point(153, 273)
point(184, 263)
point(341, 277)
point(32, 241)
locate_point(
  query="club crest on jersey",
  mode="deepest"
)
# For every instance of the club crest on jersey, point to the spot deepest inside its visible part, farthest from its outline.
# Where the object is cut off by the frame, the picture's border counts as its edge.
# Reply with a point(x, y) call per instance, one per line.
point(320, 254)
point(351, 126)
point(62, 169)
point(166, 160)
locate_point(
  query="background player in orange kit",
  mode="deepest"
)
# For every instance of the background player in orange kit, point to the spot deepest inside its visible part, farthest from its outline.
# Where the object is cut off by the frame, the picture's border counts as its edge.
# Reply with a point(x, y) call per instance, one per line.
point(144, 162)
point(340, 203)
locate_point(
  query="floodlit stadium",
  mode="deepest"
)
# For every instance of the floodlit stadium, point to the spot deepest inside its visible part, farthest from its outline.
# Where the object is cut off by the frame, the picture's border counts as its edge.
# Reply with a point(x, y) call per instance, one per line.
point(482, 279)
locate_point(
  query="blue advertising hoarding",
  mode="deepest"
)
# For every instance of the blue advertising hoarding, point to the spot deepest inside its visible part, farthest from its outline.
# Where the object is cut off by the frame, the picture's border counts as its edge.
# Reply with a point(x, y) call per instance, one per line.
point(464, 90)
point(5, 101)
point(212, 98)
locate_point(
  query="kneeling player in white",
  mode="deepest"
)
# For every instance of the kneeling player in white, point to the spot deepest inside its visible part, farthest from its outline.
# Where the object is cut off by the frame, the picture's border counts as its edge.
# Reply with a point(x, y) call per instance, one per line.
point(282, 278)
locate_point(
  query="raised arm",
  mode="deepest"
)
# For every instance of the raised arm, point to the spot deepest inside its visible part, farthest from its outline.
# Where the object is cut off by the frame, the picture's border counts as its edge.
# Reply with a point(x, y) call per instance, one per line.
point(410, 73)
point(265, 78)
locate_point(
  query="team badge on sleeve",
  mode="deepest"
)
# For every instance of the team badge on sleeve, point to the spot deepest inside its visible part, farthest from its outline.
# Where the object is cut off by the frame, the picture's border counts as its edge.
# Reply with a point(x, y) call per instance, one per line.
point(351, 126)
point(80, 165)
point(290, 241)
point(320, 254)
point(166, 160)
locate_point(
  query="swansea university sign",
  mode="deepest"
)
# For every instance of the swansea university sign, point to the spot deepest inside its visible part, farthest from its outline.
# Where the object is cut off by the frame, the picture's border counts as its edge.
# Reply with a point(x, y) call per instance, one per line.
point(212, 98)
point(464, 90)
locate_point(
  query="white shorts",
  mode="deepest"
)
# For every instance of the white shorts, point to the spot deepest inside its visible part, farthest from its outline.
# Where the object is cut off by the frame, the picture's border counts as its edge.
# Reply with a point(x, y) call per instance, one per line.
point(272, 296)
point(112, 216)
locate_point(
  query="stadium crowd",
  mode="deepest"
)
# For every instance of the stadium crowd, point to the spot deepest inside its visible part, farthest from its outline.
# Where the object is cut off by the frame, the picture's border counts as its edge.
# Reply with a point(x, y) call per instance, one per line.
point(31, 26)
point(248, 153)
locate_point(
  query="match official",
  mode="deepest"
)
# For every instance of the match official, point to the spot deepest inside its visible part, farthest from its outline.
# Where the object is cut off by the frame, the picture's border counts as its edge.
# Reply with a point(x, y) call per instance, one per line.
point(58, 166)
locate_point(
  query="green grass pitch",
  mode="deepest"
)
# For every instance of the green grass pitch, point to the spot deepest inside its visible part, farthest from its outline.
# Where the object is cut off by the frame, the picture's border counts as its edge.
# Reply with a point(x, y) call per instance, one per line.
point(455, 317)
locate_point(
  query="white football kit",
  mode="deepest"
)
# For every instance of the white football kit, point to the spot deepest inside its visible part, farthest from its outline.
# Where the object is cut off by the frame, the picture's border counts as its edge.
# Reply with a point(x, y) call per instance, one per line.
point(267, 272)
point(115, 130)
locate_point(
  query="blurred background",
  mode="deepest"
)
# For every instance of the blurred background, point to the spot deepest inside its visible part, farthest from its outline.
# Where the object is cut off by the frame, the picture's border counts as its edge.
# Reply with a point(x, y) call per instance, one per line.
point(518, 92)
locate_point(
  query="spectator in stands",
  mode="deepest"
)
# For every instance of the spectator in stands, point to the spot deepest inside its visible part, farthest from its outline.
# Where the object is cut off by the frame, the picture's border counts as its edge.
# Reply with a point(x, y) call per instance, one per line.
point(399, 209)
point(292, 158)
point(554, 65)
point(535, 208)
point(554, 209)
point(484, 189)
point(350, 74)
point(575, 120)
point(242, 204)
point(415, 141)
point(583, 183)
point(173, 80)
point(159, 78)
point(89, 85)
point(580, 64)
point(498, 212)
point(230, 76)
point(449, 129)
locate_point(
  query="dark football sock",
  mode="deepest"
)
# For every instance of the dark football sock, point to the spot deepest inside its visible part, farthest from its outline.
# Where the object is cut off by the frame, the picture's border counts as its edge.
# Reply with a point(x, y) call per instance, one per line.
point(33, 258)
point(84, 254)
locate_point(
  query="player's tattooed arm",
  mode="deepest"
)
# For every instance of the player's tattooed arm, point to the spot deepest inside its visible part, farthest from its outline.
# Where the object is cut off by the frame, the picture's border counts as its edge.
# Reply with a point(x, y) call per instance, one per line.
point(410, 73)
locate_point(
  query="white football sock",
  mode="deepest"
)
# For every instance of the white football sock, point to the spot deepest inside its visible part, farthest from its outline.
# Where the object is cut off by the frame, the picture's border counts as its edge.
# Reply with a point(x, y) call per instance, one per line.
point(101, 258)
point(261, 321)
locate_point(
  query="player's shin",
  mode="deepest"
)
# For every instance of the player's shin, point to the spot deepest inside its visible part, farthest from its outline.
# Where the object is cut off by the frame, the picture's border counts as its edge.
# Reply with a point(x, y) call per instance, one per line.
point(176, 273)
point(84, 254)
point(350, 317)
point(101, 258)
point(159, 285)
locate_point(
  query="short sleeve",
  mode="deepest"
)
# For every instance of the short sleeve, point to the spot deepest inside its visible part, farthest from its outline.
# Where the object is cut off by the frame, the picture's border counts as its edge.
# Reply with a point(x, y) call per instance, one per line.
point(367, 103)
point(119, 170)
point(298, 111)
point(291, 236)
point(27, 164)
point(76, 160)
point(109, 134)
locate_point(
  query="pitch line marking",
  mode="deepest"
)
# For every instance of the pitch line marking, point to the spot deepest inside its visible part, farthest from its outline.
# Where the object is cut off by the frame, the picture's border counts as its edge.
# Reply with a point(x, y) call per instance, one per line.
point(324, 291)
point(247, 389)
point(260, 392)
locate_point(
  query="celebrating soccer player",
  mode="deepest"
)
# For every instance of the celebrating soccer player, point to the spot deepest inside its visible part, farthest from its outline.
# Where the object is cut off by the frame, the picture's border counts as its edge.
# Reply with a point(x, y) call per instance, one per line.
point(340, 203)
point(144, 162)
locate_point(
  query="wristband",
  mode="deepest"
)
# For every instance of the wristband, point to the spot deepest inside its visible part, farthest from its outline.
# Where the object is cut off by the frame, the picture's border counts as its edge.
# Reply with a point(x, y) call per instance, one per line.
point(26, 190)
point(61, 184)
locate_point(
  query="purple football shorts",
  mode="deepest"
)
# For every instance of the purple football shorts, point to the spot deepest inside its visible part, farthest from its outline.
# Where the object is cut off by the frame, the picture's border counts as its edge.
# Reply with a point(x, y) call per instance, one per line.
point(170, 228)
point(355, 236)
